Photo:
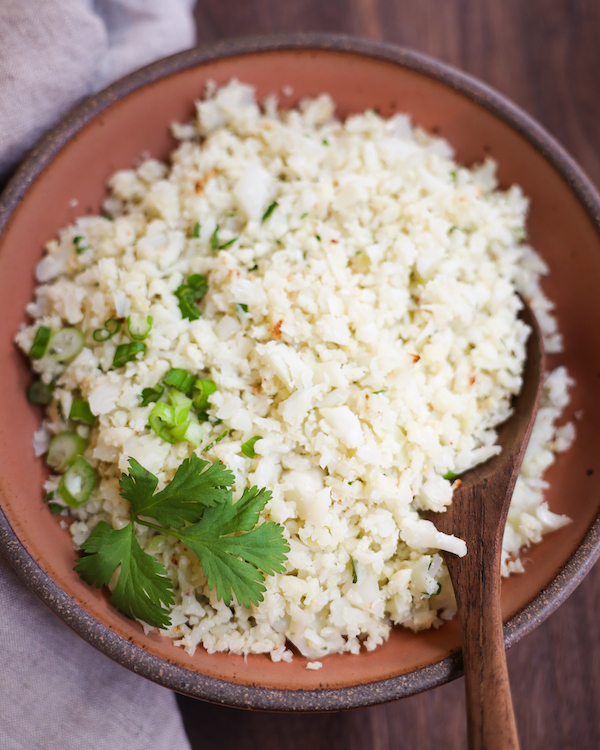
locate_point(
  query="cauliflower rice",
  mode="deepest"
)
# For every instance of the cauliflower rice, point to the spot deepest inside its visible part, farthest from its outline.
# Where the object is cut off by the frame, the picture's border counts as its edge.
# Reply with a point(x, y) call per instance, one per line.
point(380, 347)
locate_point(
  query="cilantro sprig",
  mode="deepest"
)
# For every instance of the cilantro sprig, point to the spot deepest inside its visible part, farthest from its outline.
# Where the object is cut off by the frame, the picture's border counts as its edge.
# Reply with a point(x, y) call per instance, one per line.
point(197, 508)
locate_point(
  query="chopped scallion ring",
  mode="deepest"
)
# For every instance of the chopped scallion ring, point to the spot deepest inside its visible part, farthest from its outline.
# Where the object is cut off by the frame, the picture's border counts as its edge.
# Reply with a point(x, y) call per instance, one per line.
point(138, 330)
point(63, 450)
point(203, 389)
point(161, 419)
point(180, 379)
point(190, 431)
point(248, 447)
point(127, 353)
point(81, 412)
point(40, 393)
point(181, 406)
point(66, 344)
point(111, 327)
point(77, 483)
point(40, 342)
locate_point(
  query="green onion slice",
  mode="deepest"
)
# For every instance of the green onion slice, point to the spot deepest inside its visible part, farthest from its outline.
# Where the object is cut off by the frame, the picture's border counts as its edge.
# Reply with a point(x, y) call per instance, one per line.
point(40, 342)
point(354, 576)
point(81, 412)
point(66, 344)
point(195, 233)
point(190, 431)
point(40, 393)
point(127, 353)
point(248, 447)
point(161, 419)
point(77, 482)
point(63, 450)
point(181, 406)
point(202, 390)
point(152, 394)
point(180, 379)
point(138, 330)
point(450, 475)
point(111, 327)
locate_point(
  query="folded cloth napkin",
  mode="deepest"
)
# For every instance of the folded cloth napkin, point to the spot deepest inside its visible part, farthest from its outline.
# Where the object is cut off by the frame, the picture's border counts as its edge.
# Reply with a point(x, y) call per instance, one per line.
point(56, 691)
point(54, 53)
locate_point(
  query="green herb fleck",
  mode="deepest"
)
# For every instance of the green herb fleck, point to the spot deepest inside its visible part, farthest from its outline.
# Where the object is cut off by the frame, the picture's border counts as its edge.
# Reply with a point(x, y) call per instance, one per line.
point(240, 309)
point(150, 395)
point(304, 215)
point(325, 142)
point(383, 390)
point(195, 233)
point(248, 447)
point(189, 294)
point(453, 175)
point(318, 237)
point(217, 440)
point(354, 576)
point(216, 245)
point(450, 475)
point(269, 211)
point(80, 244)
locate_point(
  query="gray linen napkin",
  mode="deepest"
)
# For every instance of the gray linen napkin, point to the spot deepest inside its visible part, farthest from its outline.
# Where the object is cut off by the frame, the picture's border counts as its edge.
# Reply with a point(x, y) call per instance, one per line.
point(56, 691)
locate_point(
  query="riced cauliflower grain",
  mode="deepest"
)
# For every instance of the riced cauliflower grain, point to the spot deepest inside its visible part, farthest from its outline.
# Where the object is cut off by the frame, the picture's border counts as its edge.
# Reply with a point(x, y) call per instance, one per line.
point(361, 320)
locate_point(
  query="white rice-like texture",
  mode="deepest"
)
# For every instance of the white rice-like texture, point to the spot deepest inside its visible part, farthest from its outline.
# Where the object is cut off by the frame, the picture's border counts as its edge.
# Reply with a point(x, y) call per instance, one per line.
point(381, 346)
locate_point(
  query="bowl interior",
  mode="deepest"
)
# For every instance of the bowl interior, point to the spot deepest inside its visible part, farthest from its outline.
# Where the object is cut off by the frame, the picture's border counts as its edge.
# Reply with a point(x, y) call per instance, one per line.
point(559, 228)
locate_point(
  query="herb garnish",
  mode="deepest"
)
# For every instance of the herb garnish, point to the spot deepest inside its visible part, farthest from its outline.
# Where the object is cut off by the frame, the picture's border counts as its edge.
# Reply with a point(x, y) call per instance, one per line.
point(269, 211)
point(199, 494)
point(248, 447)
point(189, 294)
point(80, 244)
point(217, 440)
point(216, 245)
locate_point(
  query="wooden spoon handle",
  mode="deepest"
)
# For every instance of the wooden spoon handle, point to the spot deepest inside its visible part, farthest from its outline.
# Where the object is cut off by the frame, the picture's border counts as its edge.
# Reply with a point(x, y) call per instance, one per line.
point(490, 715)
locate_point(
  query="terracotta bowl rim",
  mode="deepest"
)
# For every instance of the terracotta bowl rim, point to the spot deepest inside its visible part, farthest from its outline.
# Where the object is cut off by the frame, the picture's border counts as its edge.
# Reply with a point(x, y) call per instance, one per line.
point(165, 672)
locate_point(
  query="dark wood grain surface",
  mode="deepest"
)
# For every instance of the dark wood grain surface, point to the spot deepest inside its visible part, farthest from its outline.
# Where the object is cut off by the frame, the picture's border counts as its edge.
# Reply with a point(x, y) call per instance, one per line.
point(545, 56)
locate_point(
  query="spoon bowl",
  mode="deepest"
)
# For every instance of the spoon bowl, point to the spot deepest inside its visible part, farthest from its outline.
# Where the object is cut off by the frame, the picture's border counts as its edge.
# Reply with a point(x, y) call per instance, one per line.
point(478, 516)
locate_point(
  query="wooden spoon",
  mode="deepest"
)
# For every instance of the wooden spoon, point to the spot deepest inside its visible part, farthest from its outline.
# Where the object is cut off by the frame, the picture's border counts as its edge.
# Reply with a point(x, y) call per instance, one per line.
point(478, 515)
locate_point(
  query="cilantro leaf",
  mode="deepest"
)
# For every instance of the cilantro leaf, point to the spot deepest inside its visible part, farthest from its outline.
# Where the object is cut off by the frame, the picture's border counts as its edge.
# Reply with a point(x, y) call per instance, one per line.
point(261, 550)
point(189, 294)
point(143, 590)
point(184, 499)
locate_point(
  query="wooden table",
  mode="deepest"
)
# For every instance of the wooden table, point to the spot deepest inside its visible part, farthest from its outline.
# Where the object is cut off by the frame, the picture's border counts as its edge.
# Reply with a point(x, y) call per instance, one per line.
point(545, 56)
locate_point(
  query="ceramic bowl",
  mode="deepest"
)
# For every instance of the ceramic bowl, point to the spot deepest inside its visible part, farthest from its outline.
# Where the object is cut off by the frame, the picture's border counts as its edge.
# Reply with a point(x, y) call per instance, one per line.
point(111, 131)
